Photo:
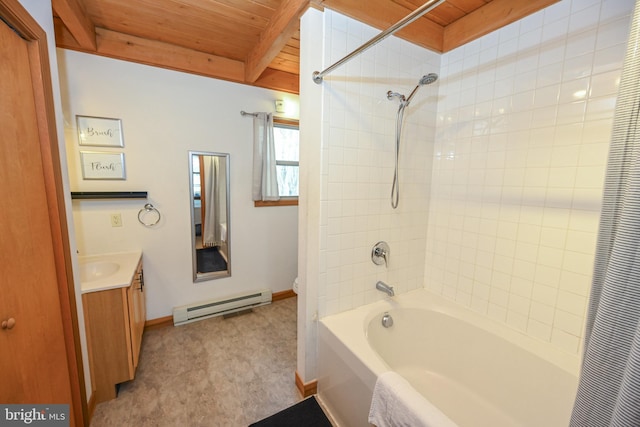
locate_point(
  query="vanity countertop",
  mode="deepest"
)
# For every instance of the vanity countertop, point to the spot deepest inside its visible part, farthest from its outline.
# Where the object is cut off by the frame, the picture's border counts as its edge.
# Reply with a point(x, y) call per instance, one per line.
point(101, 272)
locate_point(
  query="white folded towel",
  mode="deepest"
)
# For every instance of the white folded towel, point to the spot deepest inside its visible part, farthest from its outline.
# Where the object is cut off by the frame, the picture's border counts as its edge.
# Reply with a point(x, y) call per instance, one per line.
point(396, 403)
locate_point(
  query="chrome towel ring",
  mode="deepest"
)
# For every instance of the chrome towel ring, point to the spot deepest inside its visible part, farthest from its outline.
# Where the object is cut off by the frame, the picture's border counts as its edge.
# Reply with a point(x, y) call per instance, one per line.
point(149, 215)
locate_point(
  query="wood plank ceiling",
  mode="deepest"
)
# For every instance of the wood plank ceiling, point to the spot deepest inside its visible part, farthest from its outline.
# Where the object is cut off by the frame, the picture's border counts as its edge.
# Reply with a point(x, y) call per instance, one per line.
point(257, 42)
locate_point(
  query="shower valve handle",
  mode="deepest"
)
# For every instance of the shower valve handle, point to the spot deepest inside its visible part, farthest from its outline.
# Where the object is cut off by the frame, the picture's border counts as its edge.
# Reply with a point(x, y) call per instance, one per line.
point(380, 254)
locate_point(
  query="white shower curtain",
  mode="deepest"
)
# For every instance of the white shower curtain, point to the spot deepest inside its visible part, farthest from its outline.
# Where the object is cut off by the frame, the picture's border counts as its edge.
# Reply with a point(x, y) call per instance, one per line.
point(265, 180)
point(609, 389)
point(211, 206)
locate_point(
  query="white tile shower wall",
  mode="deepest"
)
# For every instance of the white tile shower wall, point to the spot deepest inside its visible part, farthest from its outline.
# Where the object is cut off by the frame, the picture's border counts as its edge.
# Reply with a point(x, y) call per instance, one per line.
point(524, 122)
point(357, 166)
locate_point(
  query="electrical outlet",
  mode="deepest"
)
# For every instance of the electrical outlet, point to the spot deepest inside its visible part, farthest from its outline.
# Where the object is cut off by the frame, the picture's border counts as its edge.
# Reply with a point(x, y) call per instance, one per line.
point(116, 220)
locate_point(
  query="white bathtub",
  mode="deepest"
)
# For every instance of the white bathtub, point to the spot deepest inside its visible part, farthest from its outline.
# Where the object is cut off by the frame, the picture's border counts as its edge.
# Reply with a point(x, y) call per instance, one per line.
point(476, 371)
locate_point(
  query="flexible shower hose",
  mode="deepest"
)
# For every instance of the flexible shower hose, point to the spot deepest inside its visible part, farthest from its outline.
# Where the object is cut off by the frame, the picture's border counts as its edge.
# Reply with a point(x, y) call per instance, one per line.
point(395, 188)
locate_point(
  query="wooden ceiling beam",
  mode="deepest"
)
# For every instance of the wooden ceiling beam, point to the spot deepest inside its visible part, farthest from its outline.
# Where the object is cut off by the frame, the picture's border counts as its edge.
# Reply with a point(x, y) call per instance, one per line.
point(490, 17)
point(283, 25)
point(77, 22)
point(279, 80)
point(164, 55)
point(135, 49)
point(160, 54)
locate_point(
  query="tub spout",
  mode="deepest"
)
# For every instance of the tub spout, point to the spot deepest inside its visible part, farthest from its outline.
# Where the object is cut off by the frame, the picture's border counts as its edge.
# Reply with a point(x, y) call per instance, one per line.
point(381, 286)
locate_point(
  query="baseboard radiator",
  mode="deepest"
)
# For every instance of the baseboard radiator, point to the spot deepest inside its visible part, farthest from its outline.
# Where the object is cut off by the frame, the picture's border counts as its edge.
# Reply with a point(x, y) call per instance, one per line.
point(205, 309)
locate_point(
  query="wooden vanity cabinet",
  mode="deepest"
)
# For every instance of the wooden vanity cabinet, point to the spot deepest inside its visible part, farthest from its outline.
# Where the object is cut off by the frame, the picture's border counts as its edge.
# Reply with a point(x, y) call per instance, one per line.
point(114, 321)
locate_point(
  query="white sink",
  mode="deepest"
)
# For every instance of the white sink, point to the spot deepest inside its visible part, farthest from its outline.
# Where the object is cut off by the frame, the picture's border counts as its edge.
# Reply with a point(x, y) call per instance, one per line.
point(107, 271)
point(96, 270)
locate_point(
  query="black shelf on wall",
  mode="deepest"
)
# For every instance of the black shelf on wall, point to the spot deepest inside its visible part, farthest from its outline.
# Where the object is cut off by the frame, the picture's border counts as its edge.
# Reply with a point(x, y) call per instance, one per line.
point(93, 195)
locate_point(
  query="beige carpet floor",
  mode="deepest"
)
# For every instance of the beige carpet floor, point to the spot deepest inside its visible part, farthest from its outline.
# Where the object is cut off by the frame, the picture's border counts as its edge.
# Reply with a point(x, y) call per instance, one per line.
point(215, 372)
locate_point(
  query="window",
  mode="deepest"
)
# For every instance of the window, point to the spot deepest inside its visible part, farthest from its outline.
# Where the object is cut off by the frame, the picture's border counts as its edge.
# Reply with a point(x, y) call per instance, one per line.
point(286, 138)
point(287, 144)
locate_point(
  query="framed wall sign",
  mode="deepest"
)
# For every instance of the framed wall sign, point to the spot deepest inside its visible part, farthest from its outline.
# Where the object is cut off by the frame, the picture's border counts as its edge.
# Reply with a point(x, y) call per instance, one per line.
point(100, 165)
point(99, 131)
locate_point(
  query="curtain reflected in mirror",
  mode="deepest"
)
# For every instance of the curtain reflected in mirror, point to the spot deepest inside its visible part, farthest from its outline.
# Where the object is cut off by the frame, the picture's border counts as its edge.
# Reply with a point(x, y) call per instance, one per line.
point(209, 180)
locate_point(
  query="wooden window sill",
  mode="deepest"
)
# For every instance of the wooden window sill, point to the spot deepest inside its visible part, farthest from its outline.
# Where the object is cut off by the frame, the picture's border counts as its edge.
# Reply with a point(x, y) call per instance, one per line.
point(281, 202)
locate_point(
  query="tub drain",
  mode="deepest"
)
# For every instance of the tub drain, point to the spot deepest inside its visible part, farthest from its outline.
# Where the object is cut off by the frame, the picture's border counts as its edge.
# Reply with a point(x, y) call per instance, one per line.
point(387, 320)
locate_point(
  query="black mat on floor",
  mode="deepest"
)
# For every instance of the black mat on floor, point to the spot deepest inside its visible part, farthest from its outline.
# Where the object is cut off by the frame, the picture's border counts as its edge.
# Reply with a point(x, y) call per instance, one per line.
point(209, 259)
point(307, 413)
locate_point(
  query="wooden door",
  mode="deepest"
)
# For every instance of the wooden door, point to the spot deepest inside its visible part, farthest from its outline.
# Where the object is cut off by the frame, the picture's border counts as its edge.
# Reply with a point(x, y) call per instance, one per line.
point(38, 345)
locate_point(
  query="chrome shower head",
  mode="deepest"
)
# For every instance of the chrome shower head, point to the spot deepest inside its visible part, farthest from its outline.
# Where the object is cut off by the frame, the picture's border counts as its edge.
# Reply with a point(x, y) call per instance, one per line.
point(428, 79)
point(424, 80)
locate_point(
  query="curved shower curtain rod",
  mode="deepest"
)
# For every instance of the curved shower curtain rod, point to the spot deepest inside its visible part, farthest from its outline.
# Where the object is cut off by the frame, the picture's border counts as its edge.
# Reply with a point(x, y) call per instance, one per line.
point(428, 6)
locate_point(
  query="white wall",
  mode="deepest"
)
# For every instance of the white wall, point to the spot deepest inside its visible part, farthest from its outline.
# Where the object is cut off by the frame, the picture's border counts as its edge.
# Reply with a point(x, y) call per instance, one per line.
point(41, 11)
point(311, 113)
point(164, 115)
point(524, 123)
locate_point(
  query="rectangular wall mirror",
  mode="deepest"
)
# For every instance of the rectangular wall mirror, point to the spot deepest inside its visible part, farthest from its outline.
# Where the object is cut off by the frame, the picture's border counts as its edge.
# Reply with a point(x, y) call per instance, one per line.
point(210, 233)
